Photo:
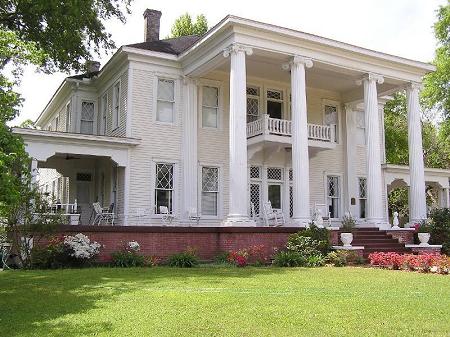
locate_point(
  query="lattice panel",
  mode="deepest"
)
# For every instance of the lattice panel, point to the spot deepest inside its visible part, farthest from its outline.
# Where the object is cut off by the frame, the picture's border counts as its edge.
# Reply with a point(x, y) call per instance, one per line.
point(166, 90)
point(291, 201)
point(253, 91)
point(255, 172)
point(210, 97)
point(210, 179)
point(362, 187)
point(255, 196)
point(333, 187)
point(291, 175)
point(84, 177)
point(253, 107)
point(164, 176)
point(274, 94)
point(87, 111)
point(274, 173)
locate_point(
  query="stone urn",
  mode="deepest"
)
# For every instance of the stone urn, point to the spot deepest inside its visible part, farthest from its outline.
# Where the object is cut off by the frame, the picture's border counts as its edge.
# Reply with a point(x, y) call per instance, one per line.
point(347, 239)
point(424, 238)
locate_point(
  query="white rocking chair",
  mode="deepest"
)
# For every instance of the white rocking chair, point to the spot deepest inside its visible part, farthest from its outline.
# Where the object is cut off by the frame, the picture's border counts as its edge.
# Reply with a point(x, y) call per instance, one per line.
point(103, 215)
point(322, 216)
point(271, 215)
point(166, 218)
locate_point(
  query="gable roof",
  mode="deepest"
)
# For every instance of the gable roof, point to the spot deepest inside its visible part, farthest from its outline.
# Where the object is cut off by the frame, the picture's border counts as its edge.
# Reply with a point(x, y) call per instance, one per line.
point(174, 46)
point(85, 75)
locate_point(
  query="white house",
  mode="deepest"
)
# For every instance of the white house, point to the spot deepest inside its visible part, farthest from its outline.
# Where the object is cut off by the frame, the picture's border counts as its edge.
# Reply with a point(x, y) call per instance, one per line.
point(247, 113)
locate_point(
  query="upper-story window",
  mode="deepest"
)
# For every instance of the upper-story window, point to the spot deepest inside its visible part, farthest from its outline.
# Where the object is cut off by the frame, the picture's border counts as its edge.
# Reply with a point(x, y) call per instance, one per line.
point(210, 107)
point(274, 103)
point(360, 128)
point(87, 118)
point(116, 105)
point(166, 101)
point(68, 117)
point(331, 117)
point(104, 114)
point(253, 100)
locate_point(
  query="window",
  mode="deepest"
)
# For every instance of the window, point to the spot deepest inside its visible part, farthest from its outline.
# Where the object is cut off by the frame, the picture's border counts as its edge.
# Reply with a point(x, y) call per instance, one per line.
point(253, 98)
point(331, 118)
point(210, 190)
point(164, 186)
point(68, 117)
point(255, 188)
point(274, 186)
point(57, 123)
point(104, 114)
point(275, 103)
point(116, 105)
point(360, 128)
point(362, 182)
point(87, 118)
point(333, 193)
point(210, 107)
point(166, 100)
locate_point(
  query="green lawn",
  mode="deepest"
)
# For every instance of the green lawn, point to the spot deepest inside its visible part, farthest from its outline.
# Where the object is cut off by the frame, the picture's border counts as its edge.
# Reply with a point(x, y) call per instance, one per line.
point(213, 301)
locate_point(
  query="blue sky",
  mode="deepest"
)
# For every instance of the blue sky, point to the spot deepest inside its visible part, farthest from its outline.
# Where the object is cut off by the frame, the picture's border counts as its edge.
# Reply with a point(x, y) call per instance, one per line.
point(399, 27)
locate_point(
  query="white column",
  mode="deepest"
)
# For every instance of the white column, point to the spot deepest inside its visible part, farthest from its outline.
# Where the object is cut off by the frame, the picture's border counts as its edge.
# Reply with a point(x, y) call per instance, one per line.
point(189, 147)
point(300, 156)
point(126, 190)
point(374, 213)
point(417, 206)
point(238, 180)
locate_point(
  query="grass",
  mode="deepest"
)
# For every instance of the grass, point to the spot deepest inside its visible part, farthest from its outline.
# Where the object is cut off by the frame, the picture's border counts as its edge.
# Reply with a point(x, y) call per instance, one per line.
point(216, 301)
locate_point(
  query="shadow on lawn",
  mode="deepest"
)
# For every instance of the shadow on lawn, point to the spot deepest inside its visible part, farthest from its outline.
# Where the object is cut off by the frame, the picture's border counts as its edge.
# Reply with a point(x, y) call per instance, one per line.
point(39, 303)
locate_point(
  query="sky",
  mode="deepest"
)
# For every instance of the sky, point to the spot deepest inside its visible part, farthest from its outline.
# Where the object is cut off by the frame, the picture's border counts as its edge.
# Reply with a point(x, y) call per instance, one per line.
point(398, 27)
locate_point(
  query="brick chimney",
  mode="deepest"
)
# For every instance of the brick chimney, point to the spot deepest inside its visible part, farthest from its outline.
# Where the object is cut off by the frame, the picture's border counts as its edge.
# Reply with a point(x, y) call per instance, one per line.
point(92, 66)
point(151, 25)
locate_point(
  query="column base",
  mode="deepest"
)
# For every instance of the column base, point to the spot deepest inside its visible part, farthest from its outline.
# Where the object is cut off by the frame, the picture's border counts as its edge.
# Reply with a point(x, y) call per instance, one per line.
point(300, 222)
point(238, 221)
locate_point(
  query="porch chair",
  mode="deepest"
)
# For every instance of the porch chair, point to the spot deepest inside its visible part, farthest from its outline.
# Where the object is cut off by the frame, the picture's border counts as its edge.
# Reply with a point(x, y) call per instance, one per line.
point(193, 215)
point(272, 215)
point(167, 218)
point(103, 215)
point(322, 216)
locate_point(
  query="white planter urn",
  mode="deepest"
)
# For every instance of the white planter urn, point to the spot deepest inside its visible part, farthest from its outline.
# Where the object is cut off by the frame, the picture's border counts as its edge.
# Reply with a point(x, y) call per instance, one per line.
point(74, 219)
point(347, 239)
point(424, 238)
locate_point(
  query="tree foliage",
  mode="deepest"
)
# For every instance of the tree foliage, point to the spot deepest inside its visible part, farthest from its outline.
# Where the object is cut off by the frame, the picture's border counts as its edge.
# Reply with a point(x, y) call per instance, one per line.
point(183, 26)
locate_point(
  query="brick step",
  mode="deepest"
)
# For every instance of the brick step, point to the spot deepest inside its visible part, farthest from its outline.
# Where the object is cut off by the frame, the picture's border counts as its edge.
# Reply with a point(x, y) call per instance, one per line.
point(370, 237)
point(375, 242)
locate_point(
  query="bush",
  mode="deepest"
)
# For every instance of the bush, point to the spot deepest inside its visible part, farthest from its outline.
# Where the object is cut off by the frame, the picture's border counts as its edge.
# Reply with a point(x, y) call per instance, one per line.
point(315, 261)
point(222, 258)
point(51, 256)
point(126, 259)
point(303, 245)
point(186, 259)
point(288, 258)
point(435, 263)
point(253, 255)
point(322, 235)
point(439, 228)
point(342, 258)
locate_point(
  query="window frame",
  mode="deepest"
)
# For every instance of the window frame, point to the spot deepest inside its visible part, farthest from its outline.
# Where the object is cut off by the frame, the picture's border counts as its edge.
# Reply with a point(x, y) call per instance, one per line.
point(337, 105)
point(156, 99)
point(218, 192)
point(202, 105)
point(175, 191)
point(362, 198)
point(259, 98)
point(68, 115)
point(282, 100)
point(104, 113)
point(93, 117)
point(340, 192)
point(116, 108)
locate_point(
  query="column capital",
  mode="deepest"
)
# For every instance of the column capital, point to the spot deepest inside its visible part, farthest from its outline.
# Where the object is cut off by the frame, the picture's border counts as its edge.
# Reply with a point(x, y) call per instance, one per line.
point(414, 86)
point(297, 59)
point(370, 77)
point(235, 48)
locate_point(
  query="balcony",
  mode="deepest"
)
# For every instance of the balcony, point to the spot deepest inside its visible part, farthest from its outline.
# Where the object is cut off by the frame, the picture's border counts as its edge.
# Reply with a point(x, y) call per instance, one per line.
point(274, 130)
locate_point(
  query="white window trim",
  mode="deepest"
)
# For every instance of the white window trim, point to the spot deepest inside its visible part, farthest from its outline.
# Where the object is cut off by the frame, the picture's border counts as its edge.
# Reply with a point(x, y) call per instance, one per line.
point(175, 196)
point(104, 113)
point(176, 98)
point(336, 104)
point(116, 119)
point(283, 101)
point(219, 194)
point(259, 98)
point(94, 118)
point(216, 84)
point(359, 198)
point(341, 190)
point(68, 112)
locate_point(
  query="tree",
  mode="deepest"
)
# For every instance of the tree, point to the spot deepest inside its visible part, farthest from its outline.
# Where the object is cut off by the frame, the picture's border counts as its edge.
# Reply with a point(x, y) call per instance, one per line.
point(183, 26)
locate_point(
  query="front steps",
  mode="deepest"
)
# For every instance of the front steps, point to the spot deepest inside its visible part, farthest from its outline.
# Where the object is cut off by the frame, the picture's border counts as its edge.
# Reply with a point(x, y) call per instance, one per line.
point(375, 240)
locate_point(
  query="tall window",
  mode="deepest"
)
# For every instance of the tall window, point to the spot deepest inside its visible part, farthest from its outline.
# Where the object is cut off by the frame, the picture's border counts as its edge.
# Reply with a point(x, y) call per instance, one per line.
point(360, 128)
point(164, 187)
point(331, 118)
point(275, 103)
point(255, 188)
point(210, 107)
point(57, 123)
point(253, 98)
point(68, 117)
point(104, 114)
point(333, 193)
point(362, 182)
point(166, 100)
point(274, 186)
point(87, 118)
point(210, 190)
point(116, 105)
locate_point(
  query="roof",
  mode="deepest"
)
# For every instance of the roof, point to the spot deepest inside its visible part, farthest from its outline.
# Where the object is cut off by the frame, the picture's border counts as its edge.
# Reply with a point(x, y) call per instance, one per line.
point(174, 46)
point(84, 75)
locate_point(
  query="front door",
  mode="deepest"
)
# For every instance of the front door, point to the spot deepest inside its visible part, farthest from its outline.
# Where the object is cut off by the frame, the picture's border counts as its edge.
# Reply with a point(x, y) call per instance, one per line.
point(84, 198)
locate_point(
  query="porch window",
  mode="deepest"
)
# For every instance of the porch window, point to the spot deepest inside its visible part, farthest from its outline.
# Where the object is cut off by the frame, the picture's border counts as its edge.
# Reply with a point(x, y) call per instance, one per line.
point(274, 186)
point(253, 99)
point(116, 105)
point(164, 186)
point(255, 188)
point(333, 193)
point(210, 190)
point(87, 118)
point(360, 128)
point(331, 118)
point(210, 107)
point(362, 182)
point(104, 114)
point(68, 117)
point(166, 100)
point(274, 103)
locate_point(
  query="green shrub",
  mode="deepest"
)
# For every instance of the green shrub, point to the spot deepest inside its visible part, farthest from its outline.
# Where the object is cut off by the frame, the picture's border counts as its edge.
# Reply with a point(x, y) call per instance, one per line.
point(48, 257)
point(127, 259)
point(322, 235)
point(342, 258)
point(439, 228)
point(303, 245)
point(315, 261)
point(185, 259)
point(222, 258)
point(288, 258)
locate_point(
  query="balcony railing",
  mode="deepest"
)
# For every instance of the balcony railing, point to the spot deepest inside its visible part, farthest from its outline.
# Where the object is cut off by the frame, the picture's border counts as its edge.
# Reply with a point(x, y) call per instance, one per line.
point(283, 127)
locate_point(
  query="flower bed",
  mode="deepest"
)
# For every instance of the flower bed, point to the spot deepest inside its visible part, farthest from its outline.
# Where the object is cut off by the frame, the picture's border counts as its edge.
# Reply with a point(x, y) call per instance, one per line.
point(434, 263)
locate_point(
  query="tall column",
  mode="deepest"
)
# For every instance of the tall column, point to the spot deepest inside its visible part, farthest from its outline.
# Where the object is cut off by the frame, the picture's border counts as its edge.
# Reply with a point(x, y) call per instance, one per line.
point(417, 206)
point(190, 161)
point(238, 180)
point(374, 211)
point(300, 156)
